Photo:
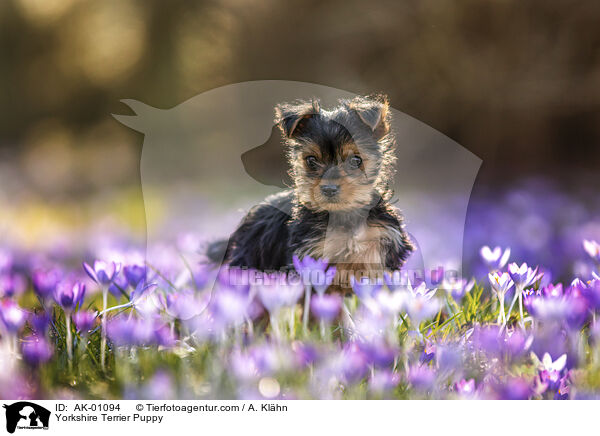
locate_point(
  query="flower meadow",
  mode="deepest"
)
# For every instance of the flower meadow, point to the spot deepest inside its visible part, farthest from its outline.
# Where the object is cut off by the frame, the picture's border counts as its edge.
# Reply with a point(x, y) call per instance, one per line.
point(116, 325)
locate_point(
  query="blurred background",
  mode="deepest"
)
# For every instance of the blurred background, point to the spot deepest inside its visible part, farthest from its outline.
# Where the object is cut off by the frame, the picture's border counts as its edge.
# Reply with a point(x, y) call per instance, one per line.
point(517, 83)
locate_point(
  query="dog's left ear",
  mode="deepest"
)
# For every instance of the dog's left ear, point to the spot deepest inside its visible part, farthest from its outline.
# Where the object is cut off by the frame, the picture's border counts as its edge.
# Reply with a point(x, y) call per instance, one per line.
point(373, 111)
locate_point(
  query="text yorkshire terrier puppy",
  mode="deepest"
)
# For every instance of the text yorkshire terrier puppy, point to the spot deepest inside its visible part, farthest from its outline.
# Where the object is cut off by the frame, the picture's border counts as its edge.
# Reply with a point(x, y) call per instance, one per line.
point(341, 162)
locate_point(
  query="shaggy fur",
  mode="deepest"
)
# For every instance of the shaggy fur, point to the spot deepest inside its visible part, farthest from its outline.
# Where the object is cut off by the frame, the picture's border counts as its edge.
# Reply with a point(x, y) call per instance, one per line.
point(341, 162)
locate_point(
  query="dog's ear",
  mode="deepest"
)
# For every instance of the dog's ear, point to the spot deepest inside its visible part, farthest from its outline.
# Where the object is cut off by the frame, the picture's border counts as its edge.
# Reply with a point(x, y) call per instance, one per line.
point(373, 111)
point(289, 116)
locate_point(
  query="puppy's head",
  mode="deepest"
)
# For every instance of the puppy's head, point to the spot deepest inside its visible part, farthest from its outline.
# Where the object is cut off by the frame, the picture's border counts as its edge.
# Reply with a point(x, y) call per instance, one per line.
point(340, 159)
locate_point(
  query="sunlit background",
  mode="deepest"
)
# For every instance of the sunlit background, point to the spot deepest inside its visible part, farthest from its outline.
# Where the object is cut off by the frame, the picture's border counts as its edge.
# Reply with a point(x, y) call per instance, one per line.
point(516, 83)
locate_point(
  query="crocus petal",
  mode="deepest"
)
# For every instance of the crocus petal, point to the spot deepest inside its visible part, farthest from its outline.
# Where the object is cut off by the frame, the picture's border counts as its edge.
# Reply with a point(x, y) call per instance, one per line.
point(560, 363)
point(547, 360)
point(90, 272)
point(505, 257)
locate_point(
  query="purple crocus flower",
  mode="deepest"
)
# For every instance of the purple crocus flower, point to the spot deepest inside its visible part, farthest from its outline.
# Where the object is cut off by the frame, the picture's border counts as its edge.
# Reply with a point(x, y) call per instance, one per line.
point(268, 358)
point(513, 389)
point(495, 259)
point(326, 307)
point(553, 304)
point(390, 303)
point(428, 352)
point(523, 276)
point(323, 281)
point(422, 378)
point(12, 284)
point(379, 353)
point(449, 358)
point(203, 276)
point(458, 288)
point(118, 286)
point(578, 288)
point(551, 371)
point(585, 293)
point(383, 381)
point(36, 350)
point(45, 281)
point(163, 335)
point(242, 366)
point(553, 291)
point(315, 272)
point(84, 320)
point(593, 294)
point(353, 363)
point(516, 343)
point(501, 283)
point(139, 332)
point(134, 274)
point(495, 341)
point(185, 304)
point(230, 307)
point(102, 273)
point(547, 305)
point(488, 339)
point(307, 265)
point(421, 305)
point(69, 294)
point(563, 391)
point(577, 315)
point(40, 323)
point(305, 354)
point(277, 292)
point(119, 330)
point(237, 279)
point(465, 388)
point(422, 291)
point(592, 248)
point(159, 387)
point(6, 260)
point(12, 316)
point(396, 281)
point(365, 288)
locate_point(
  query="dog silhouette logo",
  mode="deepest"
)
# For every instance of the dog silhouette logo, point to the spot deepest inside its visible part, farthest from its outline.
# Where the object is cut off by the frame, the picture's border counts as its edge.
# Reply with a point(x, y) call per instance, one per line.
point(26, 415)
point(224, 141)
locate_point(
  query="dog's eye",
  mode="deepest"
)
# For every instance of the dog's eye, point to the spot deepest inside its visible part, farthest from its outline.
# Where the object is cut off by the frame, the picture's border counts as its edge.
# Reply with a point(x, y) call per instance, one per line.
point(355, 161)
point(311, 161)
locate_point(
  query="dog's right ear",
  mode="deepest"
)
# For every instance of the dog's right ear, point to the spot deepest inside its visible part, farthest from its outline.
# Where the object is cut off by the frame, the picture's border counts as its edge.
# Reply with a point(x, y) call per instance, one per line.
point(289, 116)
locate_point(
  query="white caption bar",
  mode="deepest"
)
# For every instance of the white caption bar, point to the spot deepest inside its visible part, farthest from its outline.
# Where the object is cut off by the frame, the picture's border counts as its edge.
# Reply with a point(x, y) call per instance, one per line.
point(306, 418)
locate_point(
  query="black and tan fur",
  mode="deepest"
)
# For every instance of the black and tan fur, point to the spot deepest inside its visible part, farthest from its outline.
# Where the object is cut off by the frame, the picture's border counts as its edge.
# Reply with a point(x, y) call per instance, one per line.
point(341, 162)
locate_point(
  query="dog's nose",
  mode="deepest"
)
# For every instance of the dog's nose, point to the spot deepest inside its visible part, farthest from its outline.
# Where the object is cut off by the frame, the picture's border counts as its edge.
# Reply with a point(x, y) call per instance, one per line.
point(330, 190)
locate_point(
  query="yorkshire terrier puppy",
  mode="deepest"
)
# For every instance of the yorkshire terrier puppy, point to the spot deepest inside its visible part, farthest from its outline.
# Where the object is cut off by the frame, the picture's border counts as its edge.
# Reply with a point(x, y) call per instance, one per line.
point(341, 162)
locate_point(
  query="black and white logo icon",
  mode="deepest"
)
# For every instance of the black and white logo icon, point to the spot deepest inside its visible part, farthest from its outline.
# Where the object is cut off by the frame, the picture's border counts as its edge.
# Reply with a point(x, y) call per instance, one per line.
point(26, 415)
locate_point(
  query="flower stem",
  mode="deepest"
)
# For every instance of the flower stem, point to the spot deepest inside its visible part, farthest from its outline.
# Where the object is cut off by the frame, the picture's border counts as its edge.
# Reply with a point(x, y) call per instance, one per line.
point(501, 313)
point(292, 322)
point(521, 310)
point(120, 306)
point(325, 328)
point(103, 341)
point(250, 327)
point(307, 292)
point(69, 340)
point(275, 326)
point(518, 293)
